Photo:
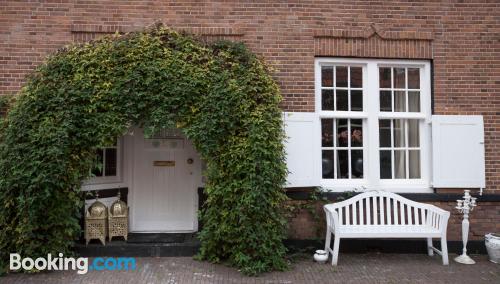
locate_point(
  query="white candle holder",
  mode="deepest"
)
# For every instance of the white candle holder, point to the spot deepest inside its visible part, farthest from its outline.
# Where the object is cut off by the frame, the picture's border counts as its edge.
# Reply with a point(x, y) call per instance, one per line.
point(465, 206)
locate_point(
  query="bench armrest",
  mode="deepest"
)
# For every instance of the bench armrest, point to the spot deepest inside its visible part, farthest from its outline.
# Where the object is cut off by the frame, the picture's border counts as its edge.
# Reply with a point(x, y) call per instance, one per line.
point(437, 218)
point(332, 217)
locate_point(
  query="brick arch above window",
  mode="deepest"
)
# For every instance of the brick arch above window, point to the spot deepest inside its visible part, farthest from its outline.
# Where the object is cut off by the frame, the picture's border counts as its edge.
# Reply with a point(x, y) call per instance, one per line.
point(373, 42)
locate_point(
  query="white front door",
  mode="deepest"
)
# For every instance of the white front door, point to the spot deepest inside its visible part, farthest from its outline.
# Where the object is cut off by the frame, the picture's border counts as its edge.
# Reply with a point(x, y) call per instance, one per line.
point(166, 174)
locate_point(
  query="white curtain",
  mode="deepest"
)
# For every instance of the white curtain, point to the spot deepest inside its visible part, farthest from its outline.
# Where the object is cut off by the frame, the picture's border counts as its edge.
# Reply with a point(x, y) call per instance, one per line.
point(409, 128)
point(399, 155)
point(414, 155)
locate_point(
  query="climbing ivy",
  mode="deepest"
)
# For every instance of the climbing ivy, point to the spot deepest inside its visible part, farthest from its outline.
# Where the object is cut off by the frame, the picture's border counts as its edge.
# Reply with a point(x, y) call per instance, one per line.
point(84, 96)
point(5, 102)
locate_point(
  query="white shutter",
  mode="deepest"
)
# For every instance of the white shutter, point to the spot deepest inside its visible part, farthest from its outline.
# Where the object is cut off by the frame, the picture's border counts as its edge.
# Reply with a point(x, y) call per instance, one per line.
point(458, 151)
point(303, 154)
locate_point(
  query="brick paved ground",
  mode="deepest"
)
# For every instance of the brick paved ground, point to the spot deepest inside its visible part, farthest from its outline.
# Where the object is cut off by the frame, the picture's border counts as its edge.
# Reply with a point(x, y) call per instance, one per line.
point(353, 268)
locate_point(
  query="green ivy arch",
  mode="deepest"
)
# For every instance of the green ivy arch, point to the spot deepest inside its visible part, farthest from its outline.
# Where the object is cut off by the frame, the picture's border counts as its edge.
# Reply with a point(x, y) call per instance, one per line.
point(84, 96)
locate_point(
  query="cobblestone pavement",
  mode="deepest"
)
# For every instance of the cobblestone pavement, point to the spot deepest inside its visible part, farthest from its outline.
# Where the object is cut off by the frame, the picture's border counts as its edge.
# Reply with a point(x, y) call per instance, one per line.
point(353, 268)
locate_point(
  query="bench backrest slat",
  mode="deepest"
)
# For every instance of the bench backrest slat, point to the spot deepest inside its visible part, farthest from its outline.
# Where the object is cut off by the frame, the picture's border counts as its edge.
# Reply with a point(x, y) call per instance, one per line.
point(382, 210)
point(388, 210)
point(354, 213)
point(347, 215)
point(368, 211)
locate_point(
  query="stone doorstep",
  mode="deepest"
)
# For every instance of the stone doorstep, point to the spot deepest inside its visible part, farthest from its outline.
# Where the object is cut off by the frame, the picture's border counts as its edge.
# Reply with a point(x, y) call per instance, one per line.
point(190, 246)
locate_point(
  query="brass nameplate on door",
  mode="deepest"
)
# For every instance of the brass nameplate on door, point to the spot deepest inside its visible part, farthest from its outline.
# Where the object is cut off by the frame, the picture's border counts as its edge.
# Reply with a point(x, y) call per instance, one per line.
point(164, 163)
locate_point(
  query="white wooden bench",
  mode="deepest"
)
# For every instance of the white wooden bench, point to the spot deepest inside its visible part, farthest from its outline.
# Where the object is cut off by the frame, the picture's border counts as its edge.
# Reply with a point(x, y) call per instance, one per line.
point(381, 214)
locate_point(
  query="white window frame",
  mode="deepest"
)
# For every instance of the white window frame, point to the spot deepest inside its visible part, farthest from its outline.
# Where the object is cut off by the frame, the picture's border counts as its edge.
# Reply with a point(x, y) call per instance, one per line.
point(107, 182)
point(371, 115)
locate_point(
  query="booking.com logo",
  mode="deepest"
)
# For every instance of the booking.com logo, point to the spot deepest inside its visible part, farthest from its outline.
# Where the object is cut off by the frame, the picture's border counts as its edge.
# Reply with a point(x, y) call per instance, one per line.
point(80, 264)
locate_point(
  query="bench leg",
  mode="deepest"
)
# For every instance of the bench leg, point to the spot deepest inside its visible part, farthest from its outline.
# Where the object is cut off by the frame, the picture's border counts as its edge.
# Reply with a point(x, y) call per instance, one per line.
point(430, 251)
point(444, 250)
point(335, 255)
point(328, 240)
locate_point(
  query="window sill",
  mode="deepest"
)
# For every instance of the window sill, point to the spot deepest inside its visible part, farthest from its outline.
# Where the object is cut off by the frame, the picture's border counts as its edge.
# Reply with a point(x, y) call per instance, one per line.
point(363, 186)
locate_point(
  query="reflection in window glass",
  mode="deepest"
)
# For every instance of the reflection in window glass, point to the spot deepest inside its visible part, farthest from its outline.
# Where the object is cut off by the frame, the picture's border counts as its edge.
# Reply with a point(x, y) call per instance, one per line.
point(356, 132)
point(357, 163)
point(385, 133)
point(399, 78)
point(327, 99)
point(327, 76)
point(356, 100)
point(356, 77)
point(342, 133)
point(399, 101)
point(399, 164)
point(341, 76)
point(413, 133)
point(413, 78)
point(345, 93)
point(385, 101)
point(405, 96)
point(414, 163)
point(327, 164)
point(342, 101)
point(385, 77)
point(385, 164)
point(344, 157)
point(399, 133)
point(413, 101)
point(343, 164)
point(327, 133)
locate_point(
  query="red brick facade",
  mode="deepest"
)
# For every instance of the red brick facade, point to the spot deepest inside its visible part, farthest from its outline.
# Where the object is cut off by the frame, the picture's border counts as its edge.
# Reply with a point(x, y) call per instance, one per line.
point(461, 38)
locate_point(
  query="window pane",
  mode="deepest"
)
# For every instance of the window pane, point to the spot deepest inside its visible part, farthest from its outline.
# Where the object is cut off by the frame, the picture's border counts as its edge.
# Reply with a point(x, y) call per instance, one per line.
point(110, 163)
point(413, 133)
point(385, 77)
point(327, 76)
point(414, 163)
point(342, 103)
point(399, 164)
point(356, 133)
point(413, 101)
point(356, 77)
point(399, 133)
point(342, 133)
point(385, 101)
point(413, 78)
point(327, 132)
point(327, 163)
point(357, 163)
point(343, 164)
point(399, 101)
point(385, 164)
point(399, 78)
point(327, 99)
point(98, 164)
point(385, 133)
point(341, 76)
point(357, 100)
